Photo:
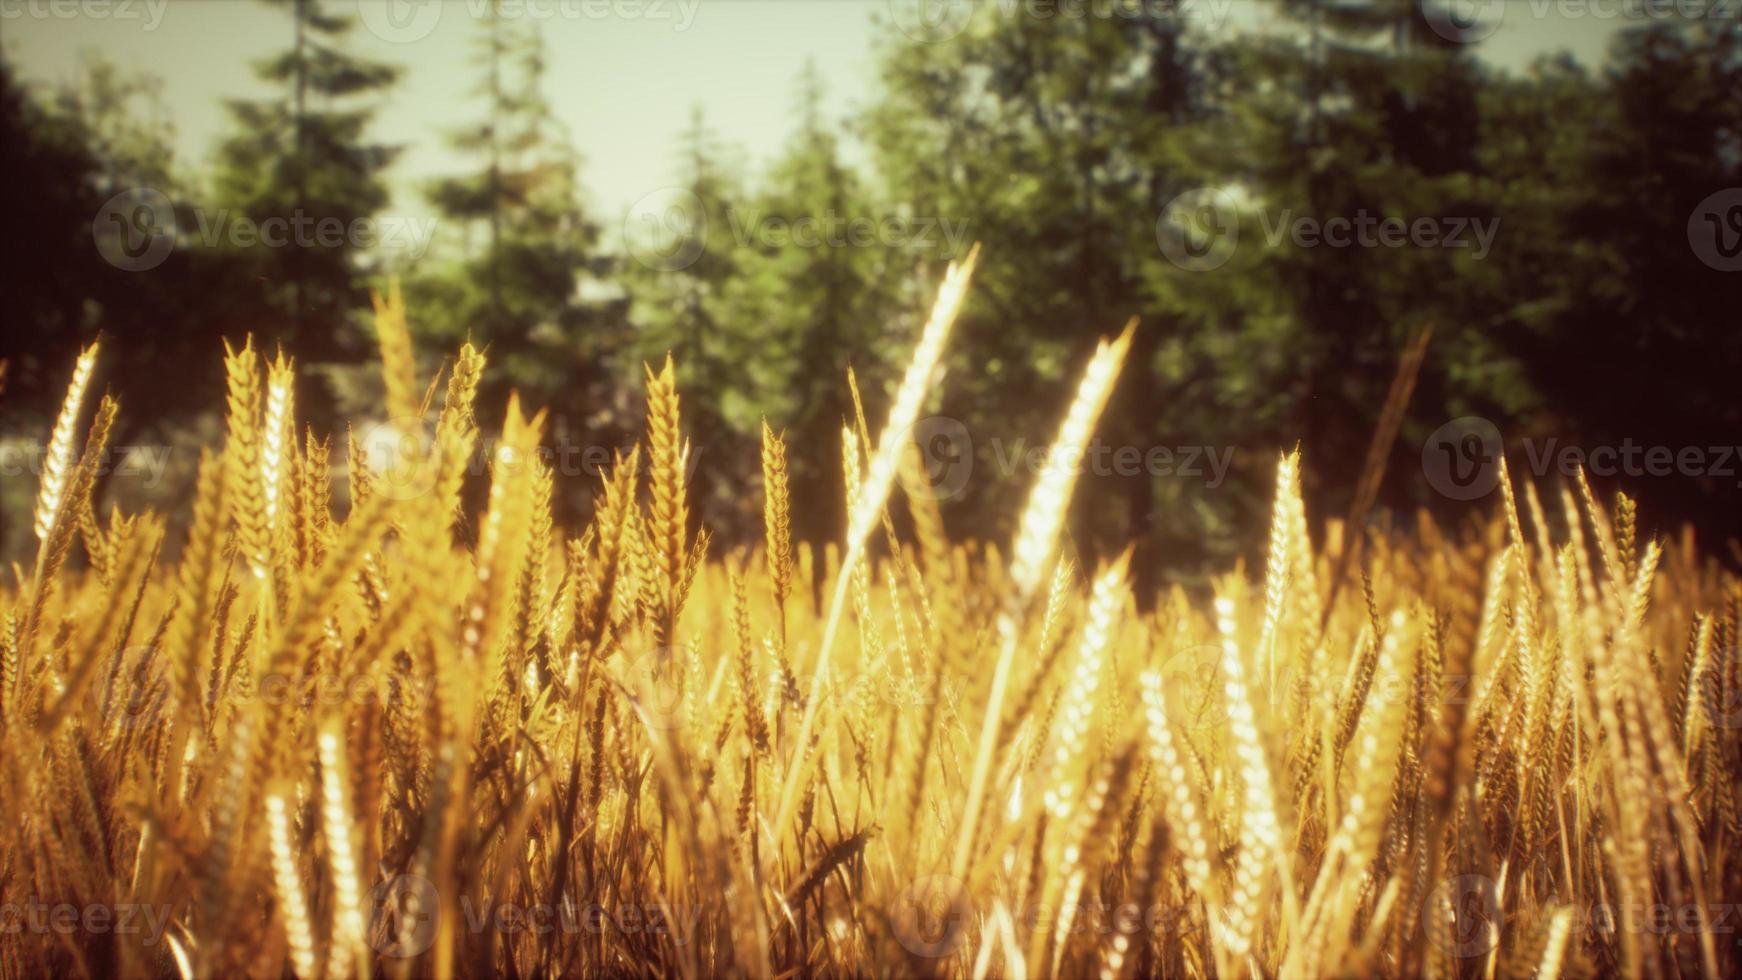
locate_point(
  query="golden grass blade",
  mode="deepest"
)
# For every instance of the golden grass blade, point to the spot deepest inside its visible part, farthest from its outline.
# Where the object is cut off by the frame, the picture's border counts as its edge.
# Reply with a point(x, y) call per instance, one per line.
point(57, 460)
point(432, 749)
point(1036, 537)
point(892, 442)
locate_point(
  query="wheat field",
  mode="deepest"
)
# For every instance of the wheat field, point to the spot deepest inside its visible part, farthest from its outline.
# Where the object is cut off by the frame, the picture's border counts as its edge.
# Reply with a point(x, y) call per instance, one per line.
point(334, 745)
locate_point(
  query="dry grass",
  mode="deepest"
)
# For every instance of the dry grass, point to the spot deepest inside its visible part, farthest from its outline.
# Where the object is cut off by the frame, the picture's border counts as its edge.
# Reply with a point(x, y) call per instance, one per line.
point(341, 746)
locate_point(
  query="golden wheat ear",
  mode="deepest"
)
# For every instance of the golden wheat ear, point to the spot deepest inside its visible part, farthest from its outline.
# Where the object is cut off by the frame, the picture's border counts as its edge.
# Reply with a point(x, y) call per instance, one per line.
point(777, 518)
point(667, 456)
point(398, 364)
point(897, 434)
point(1036, 537)
point(1050, 499)
point(57, 462)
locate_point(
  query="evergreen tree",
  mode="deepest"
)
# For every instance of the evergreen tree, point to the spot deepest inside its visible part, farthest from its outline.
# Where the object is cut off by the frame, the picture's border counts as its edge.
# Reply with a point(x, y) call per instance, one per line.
point(1627, 302)
point(303, 156)
point(1364, 114)
point(1051, 139)
point(527, 279)
point(817, 293)
point(688, 293)
point(527, 276)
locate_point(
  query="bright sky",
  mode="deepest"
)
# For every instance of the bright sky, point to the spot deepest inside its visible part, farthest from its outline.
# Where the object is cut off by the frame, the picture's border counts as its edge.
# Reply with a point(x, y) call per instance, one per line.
point(624, 74)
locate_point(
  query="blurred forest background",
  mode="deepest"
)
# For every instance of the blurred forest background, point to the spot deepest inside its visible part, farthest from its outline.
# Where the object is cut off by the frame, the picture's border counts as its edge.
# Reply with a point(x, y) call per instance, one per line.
point(1058, 144)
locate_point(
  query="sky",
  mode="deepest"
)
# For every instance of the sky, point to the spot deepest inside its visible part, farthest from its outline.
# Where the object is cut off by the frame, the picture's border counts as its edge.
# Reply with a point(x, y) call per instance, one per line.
point(624, 76)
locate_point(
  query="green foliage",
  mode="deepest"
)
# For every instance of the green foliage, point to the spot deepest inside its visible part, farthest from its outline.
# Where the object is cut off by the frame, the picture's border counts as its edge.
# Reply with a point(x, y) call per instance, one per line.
point(304, 154)
point(1084, 152)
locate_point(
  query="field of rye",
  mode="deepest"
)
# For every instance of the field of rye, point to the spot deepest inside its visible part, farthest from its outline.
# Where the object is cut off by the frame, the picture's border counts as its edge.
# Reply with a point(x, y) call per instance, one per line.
point(393, 739)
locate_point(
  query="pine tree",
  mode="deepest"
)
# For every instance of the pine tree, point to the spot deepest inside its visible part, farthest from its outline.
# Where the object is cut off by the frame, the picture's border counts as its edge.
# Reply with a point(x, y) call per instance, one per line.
point(818, 293)
point(689, 290)
point(527, 277)
point(303, 155)
point(1050, 140)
